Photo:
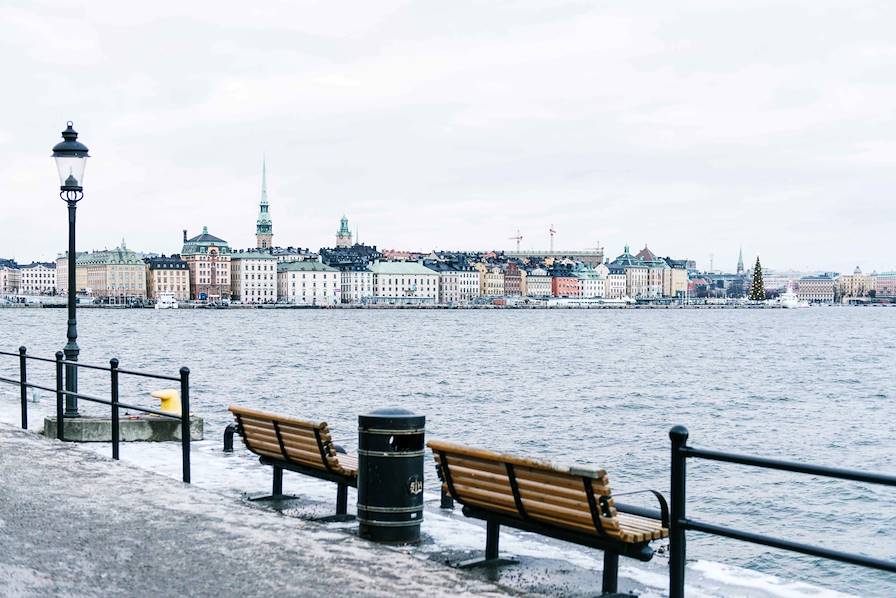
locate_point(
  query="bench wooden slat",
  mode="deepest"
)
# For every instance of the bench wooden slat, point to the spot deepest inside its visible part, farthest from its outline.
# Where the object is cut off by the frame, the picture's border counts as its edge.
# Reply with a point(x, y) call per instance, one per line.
point(263, 416)
point(456, 449)
point(549, 478)
point(268, 431)
point(548, 494)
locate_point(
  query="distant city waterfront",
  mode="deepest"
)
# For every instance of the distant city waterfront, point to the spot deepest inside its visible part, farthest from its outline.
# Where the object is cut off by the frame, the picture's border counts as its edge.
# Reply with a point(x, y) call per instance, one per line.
point(600, 387)
point(210, 271)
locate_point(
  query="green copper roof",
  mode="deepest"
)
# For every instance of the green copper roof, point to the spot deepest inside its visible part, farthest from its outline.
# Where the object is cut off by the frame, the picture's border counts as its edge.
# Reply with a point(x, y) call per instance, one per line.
point(201, 243)
point(343, 227)
point(309, 266)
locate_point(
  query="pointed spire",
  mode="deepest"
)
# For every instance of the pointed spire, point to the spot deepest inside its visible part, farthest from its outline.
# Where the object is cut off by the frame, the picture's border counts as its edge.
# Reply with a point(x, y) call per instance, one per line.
point(264, 180)
point(740, 261)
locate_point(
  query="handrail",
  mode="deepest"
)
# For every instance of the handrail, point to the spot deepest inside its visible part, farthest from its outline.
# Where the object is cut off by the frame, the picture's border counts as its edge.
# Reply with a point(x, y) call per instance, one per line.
point(114, 403)
point(680, 523)
point(764, 462)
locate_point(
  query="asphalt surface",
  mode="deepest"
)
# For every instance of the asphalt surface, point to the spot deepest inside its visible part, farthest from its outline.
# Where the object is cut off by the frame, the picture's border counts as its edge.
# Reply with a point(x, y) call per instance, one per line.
point(73, 523)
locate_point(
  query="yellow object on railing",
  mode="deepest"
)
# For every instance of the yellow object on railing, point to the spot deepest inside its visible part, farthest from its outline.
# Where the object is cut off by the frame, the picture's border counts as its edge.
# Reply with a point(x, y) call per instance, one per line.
point(170, 398)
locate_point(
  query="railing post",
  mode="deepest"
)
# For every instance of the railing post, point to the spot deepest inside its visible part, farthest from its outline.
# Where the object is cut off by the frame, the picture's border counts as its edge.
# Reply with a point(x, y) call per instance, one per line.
point(185, 421)
point(60, 433)
point(113, 372)
point(23, 386)
point(677, 545)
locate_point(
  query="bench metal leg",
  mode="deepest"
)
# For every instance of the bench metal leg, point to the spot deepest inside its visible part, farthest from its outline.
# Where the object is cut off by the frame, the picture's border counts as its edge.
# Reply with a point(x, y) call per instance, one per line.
point(611, 573)
point(447, 501)
point(276, 490)
point(341, 506)
point(278, 482)
point(341, 499)
point(492, 536)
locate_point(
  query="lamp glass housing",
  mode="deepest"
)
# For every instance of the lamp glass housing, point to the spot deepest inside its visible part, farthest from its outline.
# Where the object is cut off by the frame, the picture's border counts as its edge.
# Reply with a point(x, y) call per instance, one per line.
point(71, 166)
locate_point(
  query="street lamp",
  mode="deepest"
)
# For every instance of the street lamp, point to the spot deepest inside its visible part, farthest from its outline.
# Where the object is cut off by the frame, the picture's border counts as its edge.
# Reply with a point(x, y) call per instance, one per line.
point(71, 157)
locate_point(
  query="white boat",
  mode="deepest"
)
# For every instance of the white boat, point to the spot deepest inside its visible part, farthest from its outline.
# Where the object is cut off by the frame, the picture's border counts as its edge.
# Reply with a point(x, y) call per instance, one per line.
point(166, 301)
point(789, 300)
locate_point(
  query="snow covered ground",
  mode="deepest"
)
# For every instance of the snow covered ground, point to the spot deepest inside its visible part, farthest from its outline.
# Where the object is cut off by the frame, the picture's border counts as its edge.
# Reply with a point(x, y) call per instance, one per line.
point(546, 566)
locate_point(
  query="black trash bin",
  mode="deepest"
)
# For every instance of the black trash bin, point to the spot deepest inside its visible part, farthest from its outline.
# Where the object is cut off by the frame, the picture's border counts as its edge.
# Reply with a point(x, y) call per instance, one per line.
point(390, 475)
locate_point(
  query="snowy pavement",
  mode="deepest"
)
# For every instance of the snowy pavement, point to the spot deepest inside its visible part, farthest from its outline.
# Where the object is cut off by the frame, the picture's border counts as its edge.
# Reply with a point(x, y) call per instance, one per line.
point(75, 523)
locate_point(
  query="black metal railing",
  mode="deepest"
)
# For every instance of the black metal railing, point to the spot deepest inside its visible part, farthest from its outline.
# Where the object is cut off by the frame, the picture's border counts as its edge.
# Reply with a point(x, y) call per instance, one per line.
point(680, 523)
point(115, 404)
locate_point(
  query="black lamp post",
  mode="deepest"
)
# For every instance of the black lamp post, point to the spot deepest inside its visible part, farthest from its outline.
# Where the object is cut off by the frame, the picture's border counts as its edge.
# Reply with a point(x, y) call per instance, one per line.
point(71, 157)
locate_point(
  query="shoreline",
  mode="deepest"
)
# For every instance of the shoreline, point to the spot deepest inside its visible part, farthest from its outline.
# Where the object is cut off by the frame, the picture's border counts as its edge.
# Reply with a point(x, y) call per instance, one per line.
point(238, 306)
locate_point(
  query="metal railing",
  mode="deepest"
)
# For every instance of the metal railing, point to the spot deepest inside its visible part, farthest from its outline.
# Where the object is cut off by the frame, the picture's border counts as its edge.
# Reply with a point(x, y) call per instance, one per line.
point(114, 371)
point(679, 522)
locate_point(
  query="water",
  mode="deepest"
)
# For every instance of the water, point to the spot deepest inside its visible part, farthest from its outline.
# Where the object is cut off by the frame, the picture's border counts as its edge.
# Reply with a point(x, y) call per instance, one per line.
point(598, 387)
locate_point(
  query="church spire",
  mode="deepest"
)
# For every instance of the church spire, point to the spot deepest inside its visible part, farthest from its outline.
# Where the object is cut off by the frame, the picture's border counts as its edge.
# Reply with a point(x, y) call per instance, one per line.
point(740, 261)
point(264, 228)
point(264, 181)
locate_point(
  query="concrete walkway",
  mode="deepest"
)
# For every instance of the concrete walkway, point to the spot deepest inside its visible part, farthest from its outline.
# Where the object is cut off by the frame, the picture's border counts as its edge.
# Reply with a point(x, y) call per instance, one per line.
point(73, 523)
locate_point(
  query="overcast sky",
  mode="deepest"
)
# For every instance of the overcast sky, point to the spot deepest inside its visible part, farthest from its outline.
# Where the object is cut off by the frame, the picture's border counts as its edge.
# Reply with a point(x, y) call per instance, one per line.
point(450, 125)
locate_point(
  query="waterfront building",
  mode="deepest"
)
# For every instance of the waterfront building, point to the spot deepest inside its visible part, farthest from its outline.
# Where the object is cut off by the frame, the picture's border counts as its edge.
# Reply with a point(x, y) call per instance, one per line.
point(538, 283)
point(816, 289)
point(167, 275)
point(457, 283)
point(357, 284)
point(404, 282)
point(38, 278)
point(253, 277)
point(616, 283)
point(492, 282)
point(855, 284)
point(264, 228)
point(10, 277)
point(675, 278)
point(343, 235)
point(208, 259)
point(656, 272)
point(514, 281)
point(885, 285)
point(308, 283)
point(116, 275)
point(565, 285)
point(635, 271)
point(591, 285)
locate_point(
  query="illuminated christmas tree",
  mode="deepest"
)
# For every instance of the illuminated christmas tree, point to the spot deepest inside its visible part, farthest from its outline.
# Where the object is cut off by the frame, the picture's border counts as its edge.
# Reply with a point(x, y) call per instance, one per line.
point(757, 289)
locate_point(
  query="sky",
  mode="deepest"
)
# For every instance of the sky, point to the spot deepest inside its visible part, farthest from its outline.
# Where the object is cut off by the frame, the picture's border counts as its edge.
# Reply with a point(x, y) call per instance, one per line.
point(696, 128)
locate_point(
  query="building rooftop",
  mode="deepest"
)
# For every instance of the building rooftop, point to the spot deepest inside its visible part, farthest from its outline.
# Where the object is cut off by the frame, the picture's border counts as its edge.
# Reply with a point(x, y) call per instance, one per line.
point(304, 266)
point(251, 255)
point(401, 268)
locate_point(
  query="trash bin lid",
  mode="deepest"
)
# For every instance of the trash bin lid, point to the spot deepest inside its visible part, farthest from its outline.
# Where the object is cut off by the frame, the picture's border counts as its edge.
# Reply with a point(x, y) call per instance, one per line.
point(394, 418)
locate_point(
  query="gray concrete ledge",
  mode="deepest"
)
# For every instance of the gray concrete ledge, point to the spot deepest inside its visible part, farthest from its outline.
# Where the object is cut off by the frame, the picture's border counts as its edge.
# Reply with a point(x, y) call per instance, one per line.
point(74, 523)
point(150, 428)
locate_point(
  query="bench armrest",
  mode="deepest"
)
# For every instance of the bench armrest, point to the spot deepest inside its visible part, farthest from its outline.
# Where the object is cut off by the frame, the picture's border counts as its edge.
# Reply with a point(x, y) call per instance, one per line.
point(664, 506)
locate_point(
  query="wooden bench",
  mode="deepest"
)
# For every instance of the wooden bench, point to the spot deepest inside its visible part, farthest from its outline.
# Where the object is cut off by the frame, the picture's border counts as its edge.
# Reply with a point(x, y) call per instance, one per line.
point(571, 504)
point(300, 446)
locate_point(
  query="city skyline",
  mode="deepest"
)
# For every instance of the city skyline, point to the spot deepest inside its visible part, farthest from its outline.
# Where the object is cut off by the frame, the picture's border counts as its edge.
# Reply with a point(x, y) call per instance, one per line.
point(431, 133)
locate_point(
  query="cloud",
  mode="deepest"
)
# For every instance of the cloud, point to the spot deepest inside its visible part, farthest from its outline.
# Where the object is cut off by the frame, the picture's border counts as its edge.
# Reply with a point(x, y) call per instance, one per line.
point(695, 129)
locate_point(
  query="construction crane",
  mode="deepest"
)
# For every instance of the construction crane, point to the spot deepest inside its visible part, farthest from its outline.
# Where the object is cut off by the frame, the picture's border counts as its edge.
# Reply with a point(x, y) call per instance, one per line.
point(552, 232)
point(517, 238)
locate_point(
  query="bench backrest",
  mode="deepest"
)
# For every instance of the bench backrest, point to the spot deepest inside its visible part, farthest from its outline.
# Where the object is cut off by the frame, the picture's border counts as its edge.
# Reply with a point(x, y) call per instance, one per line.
point(287, 439)
point(528, 489)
